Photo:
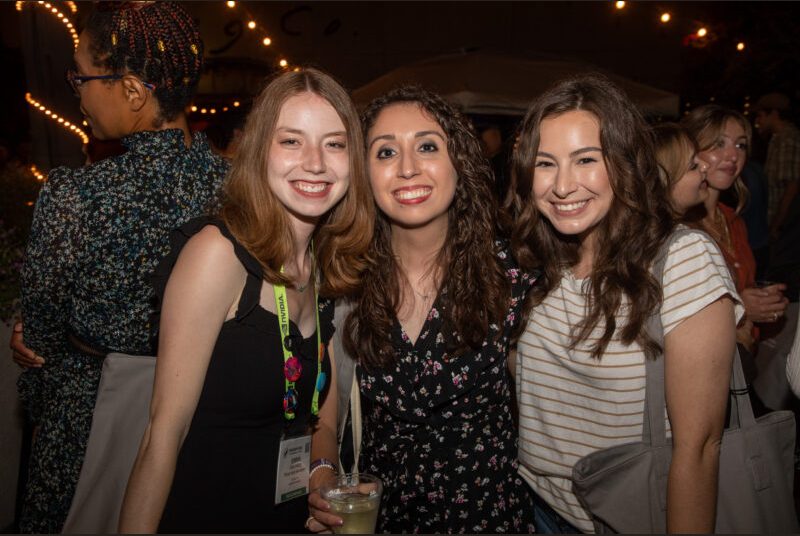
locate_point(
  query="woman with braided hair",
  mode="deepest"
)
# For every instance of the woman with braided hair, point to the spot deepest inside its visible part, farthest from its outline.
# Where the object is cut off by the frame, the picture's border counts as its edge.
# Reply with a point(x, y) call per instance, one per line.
point(99, 231)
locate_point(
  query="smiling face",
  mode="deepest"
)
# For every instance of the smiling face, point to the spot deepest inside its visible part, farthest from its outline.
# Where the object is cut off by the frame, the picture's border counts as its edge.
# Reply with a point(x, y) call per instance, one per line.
point(413, 179)
point(727, 155)
point(692, 188)
point(103, 103)
point(571, 187)
point(308, 165)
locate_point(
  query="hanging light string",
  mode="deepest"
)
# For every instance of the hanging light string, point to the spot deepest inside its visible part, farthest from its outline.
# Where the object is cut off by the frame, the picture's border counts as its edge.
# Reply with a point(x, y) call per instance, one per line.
point(699, 37)
point(58, 14)
point(57, 118)
point(253, 25)
point(37, 174)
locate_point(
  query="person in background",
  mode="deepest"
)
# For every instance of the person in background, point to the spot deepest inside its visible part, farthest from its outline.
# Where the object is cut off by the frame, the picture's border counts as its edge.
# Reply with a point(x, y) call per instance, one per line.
point(591, 212)
point(99, 231)
point(244, 362)
point(783, 156)
point(723, 136)
point(431, 329)
point(224, 133)
point(754, 215)
point(682, 171)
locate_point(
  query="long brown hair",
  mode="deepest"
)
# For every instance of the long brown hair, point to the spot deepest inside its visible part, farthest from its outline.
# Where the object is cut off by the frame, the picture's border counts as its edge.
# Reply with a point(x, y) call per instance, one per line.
point(475, 291)
point(257, 218)
point(629, 237)
point(706, 123)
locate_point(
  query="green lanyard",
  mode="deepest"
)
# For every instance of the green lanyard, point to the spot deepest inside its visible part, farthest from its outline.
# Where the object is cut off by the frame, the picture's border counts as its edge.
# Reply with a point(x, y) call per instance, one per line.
point(291, 363)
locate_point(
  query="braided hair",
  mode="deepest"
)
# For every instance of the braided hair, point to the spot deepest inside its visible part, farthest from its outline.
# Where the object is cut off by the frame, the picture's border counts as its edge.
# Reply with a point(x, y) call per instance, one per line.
point(157, 41)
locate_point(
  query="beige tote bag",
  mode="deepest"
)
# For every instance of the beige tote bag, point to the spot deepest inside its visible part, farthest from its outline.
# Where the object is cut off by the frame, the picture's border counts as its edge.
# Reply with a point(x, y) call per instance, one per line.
point(121, 413)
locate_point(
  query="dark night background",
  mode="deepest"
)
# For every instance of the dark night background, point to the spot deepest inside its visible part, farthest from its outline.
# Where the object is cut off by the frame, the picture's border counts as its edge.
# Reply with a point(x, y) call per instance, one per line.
point(360, 41)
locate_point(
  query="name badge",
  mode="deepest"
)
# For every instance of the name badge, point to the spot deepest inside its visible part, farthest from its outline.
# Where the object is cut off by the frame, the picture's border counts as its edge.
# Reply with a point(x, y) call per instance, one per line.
point(294, 458)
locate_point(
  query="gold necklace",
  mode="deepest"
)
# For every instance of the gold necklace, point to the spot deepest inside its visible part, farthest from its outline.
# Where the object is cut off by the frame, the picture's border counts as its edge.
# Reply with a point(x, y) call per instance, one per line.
point(721, 229)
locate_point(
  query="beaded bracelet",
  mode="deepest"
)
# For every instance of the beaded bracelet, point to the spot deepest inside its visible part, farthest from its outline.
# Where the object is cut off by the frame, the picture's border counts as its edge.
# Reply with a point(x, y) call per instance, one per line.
point(319, 464)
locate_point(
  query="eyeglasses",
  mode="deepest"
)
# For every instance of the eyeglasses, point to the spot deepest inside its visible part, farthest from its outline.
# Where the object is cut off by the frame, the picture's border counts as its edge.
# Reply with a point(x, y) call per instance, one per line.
point(76, 81)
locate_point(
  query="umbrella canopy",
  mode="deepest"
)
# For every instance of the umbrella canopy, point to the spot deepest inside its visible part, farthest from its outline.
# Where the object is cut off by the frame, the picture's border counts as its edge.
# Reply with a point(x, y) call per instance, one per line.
point(485, 83)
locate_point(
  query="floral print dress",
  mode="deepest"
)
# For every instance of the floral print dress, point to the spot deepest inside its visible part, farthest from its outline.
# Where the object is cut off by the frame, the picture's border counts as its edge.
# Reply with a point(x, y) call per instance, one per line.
point(439, 432)
point(98, 232)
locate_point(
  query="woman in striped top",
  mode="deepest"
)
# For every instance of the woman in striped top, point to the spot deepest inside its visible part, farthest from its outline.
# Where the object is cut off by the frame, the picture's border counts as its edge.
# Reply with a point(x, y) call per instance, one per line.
point(591, 213)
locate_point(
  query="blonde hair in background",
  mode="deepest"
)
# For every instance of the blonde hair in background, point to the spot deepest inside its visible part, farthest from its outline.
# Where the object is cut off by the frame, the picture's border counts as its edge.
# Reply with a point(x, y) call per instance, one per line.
point(675, 151)
point(705, 124)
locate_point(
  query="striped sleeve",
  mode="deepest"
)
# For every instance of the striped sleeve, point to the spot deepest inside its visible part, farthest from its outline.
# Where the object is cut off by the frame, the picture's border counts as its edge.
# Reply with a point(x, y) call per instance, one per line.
point(695, 275)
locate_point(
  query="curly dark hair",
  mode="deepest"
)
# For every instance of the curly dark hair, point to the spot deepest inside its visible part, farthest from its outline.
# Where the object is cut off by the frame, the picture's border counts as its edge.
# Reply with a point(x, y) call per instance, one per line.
point(629, 237)
point(474, 289)
point(157, 41)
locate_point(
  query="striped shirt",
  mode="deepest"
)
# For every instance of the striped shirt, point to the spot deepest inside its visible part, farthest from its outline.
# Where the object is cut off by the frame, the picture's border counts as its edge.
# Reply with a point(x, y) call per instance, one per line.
point(572, 405)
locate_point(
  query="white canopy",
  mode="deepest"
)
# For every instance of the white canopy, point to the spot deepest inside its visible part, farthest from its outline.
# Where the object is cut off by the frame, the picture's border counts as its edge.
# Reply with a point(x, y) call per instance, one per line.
point(486, 83)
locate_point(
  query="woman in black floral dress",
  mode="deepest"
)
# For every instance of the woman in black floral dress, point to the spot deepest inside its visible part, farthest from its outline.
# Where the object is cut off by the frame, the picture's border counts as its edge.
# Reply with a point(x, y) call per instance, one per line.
point(99, 231)
point(431, 329)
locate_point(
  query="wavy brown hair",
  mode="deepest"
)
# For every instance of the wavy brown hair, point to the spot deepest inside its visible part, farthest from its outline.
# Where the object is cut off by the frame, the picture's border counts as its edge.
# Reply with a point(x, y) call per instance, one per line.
point(473, 288)
point(706, 123)
point(629, 237)
point(257, 218)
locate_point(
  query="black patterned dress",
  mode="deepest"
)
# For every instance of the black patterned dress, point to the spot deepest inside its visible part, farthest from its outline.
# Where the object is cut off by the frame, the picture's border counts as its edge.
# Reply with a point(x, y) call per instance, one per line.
point(98, 233)
point(439, 432)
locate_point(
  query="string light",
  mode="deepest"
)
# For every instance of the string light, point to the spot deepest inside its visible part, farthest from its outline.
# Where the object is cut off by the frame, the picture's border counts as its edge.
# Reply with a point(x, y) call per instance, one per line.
point(236, 104)
point(619, 4)
point(54, 116)
point(252, 24)
point(283, 63)
point(36, 173)
point(665, 17)
point(59, 15)
point(194, 108)
point(702, 32)
point(740, 46)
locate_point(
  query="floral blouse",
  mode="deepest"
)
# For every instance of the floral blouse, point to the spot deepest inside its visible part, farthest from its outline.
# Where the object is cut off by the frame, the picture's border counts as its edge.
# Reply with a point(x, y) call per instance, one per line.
point(439, 432)
point(98, 232)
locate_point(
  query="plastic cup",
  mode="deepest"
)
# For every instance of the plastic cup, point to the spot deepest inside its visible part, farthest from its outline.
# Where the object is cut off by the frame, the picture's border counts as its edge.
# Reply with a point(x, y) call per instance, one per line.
point(356, 498)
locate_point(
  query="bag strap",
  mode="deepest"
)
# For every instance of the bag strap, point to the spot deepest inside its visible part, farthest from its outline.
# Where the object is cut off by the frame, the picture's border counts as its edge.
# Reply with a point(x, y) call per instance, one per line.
point(653, 426)
point(355, 418)
point(654, 430)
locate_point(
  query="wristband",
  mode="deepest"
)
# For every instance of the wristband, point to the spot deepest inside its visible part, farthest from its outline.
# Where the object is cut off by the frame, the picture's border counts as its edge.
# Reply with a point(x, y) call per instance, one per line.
point(320, 466)
point(323, 461)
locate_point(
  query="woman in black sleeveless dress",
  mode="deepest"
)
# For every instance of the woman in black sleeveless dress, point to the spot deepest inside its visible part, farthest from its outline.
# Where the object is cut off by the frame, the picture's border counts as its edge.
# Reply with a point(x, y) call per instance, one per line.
point(243, 397)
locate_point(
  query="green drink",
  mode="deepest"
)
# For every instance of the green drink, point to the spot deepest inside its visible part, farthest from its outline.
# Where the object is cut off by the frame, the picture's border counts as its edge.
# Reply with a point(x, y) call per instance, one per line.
point(356, 499)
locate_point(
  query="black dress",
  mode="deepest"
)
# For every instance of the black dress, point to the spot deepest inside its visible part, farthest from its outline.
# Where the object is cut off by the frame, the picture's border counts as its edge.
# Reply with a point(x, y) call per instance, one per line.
point(226, 471)
point(439, 431)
